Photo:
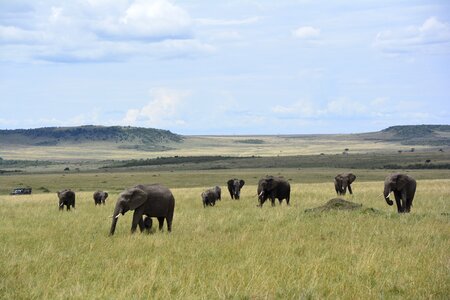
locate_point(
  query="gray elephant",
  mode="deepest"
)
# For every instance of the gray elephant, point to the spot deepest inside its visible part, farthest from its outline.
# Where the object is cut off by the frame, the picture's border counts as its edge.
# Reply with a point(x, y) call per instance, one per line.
point(342, 182)
point(100, 197)
point(151, 200)
point(210, 196)
point(148, 223)
point(67, 198)
point(234, 187)
point(271, 187)
point(404, 188)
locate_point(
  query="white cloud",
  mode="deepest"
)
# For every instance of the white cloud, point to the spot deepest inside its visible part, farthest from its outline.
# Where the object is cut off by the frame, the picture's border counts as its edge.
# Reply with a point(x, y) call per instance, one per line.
point(306, 33)
point(148, 20)
point(303, 108)
point(222, 22)
point(96, 31)
point(162, 111)
point(344, 107)
point(433, 36)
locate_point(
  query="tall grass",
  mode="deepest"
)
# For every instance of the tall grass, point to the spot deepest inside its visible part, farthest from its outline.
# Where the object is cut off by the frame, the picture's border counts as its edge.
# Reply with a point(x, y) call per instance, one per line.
point(231, 251)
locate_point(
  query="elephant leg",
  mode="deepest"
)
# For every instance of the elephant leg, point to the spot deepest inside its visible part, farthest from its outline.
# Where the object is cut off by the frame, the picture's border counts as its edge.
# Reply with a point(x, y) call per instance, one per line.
point(407, 206)
point(350, 189)
point(67, 207)
point(169, 224)
point(141, 225)
point(161, 223)
point(137, 217)
point(287, 200)
point(272, 200)
point(406, 202)
point(398, 201)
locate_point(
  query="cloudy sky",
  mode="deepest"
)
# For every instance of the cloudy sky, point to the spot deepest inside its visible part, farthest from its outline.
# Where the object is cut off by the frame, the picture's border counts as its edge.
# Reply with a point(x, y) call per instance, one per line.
point(225, 67)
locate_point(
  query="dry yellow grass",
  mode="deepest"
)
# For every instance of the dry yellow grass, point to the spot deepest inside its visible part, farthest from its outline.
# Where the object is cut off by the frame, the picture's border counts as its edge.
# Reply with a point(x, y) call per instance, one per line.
point(231, 251)
point(207, 145)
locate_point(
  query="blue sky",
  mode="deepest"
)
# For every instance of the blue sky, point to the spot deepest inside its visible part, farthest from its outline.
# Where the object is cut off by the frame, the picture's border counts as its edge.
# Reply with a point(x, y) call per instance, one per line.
point(225, 67)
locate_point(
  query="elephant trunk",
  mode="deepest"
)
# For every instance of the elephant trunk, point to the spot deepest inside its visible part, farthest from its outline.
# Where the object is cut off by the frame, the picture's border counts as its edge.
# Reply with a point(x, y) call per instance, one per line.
point(115, 217)
point(386, 193)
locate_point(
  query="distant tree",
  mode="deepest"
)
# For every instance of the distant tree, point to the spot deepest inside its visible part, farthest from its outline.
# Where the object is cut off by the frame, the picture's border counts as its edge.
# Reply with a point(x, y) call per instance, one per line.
point(66, 169)
point(346, 149)
point(441, 150)
point(400, 151)
point(412, 149)
point(428, 161)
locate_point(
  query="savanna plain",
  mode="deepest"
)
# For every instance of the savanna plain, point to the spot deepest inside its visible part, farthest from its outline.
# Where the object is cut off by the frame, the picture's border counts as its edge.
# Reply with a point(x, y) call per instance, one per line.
point(234, 250)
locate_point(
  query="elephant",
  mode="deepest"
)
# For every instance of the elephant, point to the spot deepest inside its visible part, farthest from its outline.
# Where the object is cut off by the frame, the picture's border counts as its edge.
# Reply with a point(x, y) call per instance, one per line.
point(151, 200)
point(67, 198)
point(148, 223)
point(234, 187)
point(404, 188)
point(100, 197)
point(210, 196)
point(273, 187)
point(342, 181)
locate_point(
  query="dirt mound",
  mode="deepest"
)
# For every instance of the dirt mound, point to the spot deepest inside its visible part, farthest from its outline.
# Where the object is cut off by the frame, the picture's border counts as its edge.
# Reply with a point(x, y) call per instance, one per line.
point(340, 204)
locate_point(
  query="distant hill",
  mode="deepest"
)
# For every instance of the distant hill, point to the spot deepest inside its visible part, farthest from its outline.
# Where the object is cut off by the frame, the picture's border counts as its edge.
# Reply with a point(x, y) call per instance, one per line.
point(129, 137)
point(432, 135)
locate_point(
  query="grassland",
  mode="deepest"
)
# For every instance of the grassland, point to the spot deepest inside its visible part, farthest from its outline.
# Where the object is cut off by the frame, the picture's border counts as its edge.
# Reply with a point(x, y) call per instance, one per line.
point(212, 145)
point(232, 251)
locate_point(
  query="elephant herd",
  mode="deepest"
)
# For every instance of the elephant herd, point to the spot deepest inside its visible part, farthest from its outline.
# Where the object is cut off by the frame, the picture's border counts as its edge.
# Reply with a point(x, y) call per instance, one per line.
point(157, 201)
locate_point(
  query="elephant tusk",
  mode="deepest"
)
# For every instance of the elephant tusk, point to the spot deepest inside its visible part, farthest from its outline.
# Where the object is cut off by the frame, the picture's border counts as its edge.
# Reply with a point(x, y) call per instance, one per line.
point(62, 204)
point(260, 194)
point(117, 216)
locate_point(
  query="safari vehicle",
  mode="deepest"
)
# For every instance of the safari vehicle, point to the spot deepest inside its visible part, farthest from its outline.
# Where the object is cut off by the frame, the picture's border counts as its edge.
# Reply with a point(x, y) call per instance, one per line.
point(21, 191)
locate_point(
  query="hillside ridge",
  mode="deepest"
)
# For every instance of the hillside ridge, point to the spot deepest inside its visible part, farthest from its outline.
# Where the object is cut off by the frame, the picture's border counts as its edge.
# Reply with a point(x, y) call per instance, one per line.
point(51, 136)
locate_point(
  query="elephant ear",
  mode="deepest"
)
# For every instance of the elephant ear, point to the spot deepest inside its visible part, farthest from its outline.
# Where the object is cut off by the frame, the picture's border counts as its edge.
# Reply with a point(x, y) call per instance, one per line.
point(351, 178)
point(137, 198)
point(241, 183)
point(230, 184)
point(401, 181)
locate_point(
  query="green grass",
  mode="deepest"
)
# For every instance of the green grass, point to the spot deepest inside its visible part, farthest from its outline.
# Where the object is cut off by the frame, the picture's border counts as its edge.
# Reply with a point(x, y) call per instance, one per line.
point(116, 181)
point(232, 251)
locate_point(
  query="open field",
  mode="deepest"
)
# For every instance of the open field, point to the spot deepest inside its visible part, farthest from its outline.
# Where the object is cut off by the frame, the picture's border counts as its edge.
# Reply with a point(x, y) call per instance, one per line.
point(116, 181)
point(243, 146)
point(232, 251)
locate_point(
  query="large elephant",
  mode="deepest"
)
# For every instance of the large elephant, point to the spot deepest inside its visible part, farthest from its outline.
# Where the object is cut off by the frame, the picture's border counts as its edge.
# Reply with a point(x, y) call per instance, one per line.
point(234, 187)
point(100, 197)
point(404, 188)
point(342, 182)
point(67, 198)
point(151, 200)
point(210, 196)
point(271, 187)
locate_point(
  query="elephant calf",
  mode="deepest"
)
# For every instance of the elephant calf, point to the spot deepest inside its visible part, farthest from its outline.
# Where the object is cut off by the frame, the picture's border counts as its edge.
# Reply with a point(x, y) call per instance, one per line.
point(342, 182)
point(234, 187)
point(148, 223)
point(100, 197)
point(67, 198)
point(210, 196)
